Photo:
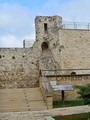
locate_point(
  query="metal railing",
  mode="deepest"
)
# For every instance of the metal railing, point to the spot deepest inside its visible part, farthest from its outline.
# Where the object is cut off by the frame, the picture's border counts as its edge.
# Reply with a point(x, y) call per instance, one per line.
point(75, 25)
point(28, 43)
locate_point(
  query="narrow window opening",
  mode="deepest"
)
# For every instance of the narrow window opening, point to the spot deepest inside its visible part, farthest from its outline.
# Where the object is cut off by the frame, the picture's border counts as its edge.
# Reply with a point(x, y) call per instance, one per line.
point(45, 27)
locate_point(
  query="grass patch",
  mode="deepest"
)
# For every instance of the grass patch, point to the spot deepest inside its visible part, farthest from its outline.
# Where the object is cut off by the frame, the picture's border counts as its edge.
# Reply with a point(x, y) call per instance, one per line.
point(57, 104)
point(81, 116)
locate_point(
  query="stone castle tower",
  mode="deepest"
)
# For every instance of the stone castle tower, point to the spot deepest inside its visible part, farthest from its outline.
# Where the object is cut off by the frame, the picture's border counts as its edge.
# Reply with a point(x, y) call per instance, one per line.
point(47, 35)
point(47, 30)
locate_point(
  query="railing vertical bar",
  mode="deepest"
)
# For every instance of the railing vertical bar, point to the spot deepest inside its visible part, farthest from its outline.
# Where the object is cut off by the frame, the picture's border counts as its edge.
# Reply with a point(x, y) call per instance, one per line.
point(23, 43)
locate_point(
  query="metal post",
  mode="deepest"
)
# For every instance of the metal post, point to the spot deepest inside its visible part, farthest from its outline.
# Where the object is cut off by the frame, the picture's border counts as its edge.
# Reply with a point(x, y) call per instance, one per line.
point(62, 97)
point(23, 43)
point(75, 25)
point(88, 26)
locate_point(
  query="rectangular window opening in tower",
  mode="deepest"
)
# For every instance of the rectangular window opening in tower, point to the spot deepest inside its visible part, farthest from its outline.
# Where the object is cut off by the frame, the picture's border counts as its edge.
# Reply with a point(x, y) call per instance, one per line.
point(45, 28)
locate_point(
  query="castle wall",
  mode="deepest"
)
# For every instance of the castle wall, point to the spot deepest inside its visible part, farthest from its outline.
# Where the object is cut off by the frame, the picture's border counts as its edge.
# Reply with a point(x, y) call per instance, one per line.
point(66, 49)
point(18, 67)
point(75, 49)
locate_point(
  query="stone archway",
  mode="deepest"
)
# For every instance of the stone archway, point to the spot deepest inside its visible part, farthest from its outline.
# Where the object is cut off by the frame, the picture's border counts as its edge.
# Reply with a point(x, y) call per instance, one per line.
point(44, 46)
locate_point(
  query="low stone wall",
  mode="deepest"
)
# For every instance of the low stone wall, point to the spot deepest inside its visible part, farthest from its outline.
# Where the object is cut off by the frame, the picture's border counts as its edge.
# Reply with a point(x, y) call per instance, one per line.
point(46, 96)
point(69, 80)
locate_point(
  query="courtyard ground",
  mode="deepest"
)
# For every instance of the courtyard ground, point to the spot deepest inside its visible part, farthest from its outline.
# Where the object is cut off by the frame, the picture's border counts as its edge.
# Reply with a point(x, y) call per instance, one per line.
point(44, 114)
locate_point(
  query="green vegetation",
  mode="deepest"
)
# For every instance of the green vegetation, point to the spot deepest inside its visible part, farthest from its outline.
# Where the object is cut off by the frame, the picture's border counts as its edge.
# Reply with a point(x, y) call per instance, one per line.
point(57, 104)
point(84, 98)
point(84, 92)
point(81, 116)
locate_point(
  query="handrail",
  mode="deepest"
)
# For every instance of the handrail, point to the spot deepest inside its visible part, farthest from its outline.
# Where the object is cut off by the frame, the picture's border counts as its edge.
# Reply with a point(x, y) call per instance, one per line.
point(28, 43)
point(75, 25)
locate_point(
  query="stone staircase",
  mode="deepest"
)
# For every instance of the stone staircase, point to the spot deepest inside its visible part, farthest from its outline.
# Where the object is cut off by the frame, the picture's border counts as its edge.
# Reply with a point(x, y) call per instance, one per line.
point(18, 100)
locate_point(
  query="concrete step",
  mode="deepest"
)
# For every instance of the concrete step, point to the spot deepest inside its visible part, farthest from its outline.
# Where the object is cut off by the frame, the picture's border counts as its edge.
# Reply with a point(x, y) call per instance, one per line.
point(25, 99)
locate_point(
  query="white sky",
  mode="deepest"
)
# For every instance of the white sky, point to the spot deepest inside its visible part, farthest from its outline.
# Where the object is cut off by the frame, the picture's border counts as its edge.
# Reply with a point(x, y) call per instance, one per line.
point(17, 17)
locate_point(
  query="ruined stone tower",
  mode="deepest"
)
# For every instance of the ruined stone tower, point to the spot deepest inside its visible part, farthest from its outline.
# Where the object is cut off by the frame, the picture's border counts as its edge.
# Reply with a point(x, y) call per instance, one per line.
point(47, 35)
point(47, 30)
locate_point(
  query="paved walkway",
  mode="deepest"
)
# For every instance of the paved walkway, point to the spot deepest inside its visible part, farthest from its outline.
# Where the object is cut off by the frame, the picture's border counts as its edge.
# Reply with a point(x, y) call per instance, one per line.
point(43, 115)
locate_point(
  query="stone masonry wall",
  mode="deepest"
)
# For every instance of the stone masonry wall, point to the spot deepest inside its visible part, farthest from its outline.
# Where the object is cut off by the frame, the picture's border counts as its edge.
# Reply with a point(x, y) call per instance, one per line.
point(75, 49)
point(18, 68)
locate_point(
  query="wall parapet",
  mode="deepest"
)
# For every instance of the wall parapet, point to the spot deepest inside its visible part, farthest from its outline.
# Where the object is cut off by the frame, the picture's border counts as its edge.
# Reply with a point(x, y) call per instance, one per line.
point(75, 71)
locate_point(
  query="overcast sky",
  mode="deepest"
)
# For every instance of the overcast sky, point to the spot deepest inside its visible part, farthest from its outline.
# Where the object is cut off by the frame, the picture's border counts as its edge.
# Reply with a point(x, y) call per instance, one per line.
point(17, 17)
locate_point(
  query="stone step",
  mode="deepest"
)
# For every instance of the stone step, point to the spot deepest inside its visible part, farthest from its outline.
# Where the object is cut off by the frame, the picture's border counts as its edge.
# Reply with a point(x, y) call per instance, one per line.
point(25, 99)
point(20, 98)
point(19, 109)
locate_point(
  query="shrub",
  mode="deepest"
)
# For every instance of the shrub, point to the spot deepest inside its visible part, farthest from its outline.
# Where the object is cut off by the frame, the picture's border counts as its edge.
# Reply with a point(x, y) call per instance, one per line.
point(84, 92)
